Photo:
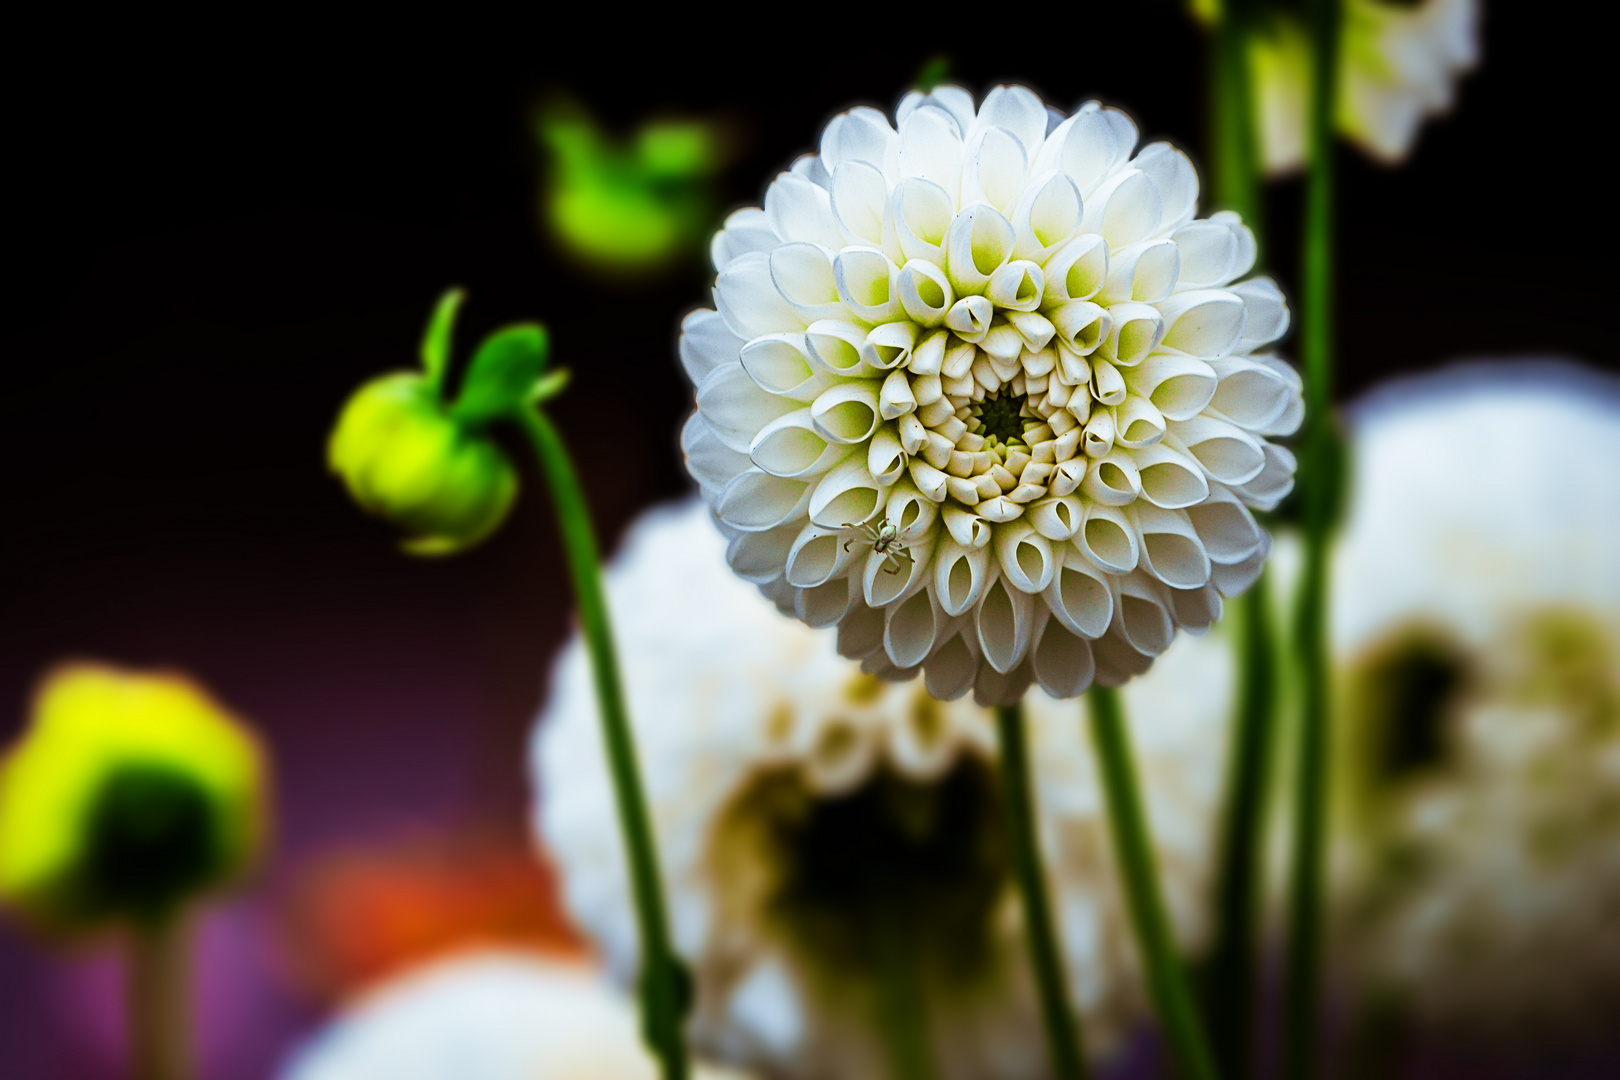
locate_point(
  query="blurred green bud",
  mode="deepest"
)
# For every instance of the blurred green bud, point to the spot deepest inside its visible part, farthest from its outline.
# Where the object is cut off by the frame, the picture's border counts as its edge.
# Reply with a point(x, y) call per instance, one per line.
point(405, 457)
point(129, 794)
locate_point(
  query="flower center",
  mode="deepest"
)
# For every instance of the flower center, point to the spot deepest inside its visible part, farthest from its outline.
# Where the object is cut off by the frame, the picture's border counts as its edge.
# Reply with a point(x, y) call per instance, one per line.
point(834, 878)
point(152, 839)
point(999, 418)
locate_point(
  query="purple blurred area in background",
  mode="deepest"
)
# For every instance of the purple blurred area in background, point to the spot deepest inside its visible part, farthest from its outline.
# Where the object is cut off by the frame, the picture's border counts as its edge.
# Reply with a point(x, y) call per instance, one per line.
point(208, 251)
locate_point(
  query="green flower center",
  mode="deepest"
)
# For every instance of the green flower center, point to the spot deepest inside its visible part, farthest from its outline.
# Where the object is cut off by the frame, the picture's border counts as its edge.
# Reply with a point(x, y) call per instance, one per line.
point(999, 418)
point(150, 842)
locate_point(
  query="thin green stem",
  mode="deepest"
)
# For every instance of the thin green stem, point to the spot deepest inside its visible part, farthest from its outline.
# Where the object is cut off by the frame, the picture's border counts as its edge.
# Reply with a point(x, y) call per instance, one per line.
point(1236, 152)
point(1231, 985)
point(664, 983)
point(1167, 979)
point(158, 986)
point(1057, 1011)
point(1230, 982)
point(904, 1014)
point(1302, 980)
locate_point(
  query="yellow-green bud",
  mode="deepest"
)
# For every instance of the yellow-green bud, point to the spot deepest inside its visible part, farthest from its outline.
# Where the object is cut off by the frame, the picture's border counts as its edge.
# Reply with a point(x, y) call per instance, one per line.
point(128, 795)
point(405, 458)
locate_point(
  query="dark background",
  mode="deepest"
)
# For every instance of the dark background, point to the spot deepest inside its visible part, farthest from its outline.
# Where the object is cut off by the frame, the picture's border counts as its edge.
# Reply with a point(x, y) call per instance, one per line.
point(209, 245)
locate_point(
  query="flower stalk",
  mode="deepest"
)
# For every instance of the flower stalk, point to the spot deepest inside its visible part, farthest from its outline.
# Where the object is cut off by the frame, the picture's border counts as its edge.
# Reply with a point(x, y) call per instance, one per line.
point(664, 988)
point(1230, 977)
point(158, 998)
point(1057, 1011)
point(1303, 973)
point(1166, 978)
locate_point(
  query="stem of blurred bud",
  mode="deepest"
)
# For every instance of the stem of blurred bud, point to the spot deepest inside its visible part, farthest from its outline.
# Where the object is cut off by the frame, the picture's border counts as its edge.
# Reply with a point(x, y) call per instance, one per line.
point(1318, 473)
point(665, 986)
point(158, 986)
point(1133, 855)
point(1057, 1012)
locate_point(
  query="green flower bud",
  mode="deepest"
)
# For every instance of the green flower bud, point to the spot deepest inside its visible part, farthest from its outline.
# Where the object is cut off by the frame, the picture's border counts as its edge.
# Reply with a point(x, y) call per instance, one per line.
point(404, 457)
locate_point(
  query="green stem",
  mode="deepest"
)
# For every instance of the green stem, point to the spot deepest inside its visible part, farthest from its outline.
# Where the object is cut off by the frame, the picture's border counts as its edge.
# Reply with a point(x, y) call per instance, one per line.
point(904, 1016)
point(664, 984)
point(1057, 1012)
point(1236, 151)
point(1302, 980)
point(1231, 982)
point(1167, 980)
point(159, 999)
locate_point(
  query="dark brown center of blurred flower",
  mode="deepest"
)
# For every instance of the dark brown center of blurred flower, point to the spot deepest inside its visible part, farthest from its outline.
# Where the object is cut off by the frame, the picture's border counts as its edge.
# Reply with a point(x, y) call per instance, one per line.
point(896, 866)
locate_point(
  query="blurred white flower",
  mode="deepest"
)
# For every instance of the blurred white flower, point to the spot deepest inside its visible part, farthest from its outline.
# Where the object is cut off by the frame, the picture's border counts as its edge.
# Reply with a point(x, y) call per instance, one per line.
point(983, 392)
point(1477, 621)
point(1399, 63)
point(486, 1016)
point(810, 815)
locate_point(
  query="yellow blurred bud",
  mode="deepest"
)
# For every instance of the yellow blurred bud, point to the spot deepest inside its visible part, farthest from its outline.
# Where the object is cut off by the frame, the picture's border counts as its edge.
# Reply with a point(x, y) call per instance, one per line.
point(127, 795)
point(404, 457)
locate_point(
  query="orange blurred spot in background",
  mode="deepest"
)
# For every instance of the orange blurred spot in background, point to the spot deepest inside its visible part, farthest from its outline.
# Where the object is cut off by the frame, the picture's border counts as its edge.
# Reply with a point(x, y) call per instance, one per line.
point(356, 917)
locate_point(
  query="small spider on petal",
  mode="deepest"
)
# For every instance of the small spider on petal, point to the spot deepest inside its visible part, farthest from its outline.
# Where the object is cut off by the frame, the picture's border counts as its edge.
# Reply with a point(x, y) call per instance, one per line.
point(885, 540)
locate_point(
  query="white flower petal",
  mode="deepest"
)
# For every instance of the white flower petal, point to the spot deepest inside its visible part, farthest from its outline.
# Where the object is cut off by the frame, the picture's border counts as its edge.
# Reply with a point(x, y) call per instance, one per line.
point(931, 148)
point(1176, 180)
point(748, 301)
point(800, 210)
point(745, 230)
point(735, 406)
point(706, 344)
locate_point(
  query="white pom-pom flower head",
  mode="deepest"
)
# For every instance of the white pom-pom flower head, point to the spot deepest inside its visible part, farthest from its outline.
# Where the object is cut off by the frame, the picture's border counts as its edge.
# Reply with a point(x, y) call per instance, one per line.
point(982, 391)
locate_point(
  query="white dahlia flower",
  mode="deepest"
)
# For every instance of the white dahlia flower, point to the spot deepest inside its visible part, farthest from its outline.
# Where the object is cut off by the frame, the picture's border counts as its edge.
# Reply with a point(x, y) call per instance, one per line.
point(1398, 65)
point(809, 815)
point(1477, 626)
point(486, 1016)
point(983, 392)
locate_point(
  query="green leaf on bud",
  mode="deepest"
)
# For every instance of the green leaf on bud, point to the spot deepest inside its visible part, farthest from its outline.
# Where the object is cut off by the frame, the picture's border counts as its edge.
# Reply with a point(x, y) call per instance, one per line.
point(436, 340)
point(503, 374)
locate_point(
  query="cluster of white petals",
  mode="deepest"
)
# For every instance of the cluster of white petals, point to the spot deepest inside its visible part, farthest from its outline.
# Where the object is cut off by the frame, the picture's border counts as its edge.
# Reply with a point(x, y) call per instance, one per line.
point(983, 392)
point(1478, 553)
point(780, 776)
point(485, 1016)
point(1399, 64)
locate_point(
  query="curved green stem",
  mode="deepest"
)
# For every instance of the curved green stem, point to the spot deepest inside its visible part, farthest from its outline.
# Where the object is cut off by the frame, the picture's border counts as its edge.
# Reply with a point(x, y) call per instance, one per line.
point(1167, 979)
point(664, 984)
point(1057, 1012)
point(1303, 975)
point(159, 998)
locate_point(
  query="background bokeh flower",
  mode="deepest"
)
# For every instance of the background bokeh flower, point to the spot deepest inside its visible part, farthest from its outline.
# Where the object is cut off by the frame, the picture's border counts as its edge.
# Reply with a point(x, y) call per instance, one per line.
point(1003, 334)
point(487, 1015)
point(812, 816)
point(1478, 636)
point(1398, 66)
point(130, 795)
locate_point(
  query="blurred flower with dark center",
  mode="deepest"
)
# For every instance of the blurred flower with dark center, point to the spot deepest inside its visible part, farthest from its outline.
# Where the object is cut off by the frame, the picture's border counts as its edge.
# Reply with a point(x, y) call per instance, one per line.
point(1477, 630)
point(489, 1015)
point(130, 799)
point(631, 206)
point(129, 796)
point(833, 845)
